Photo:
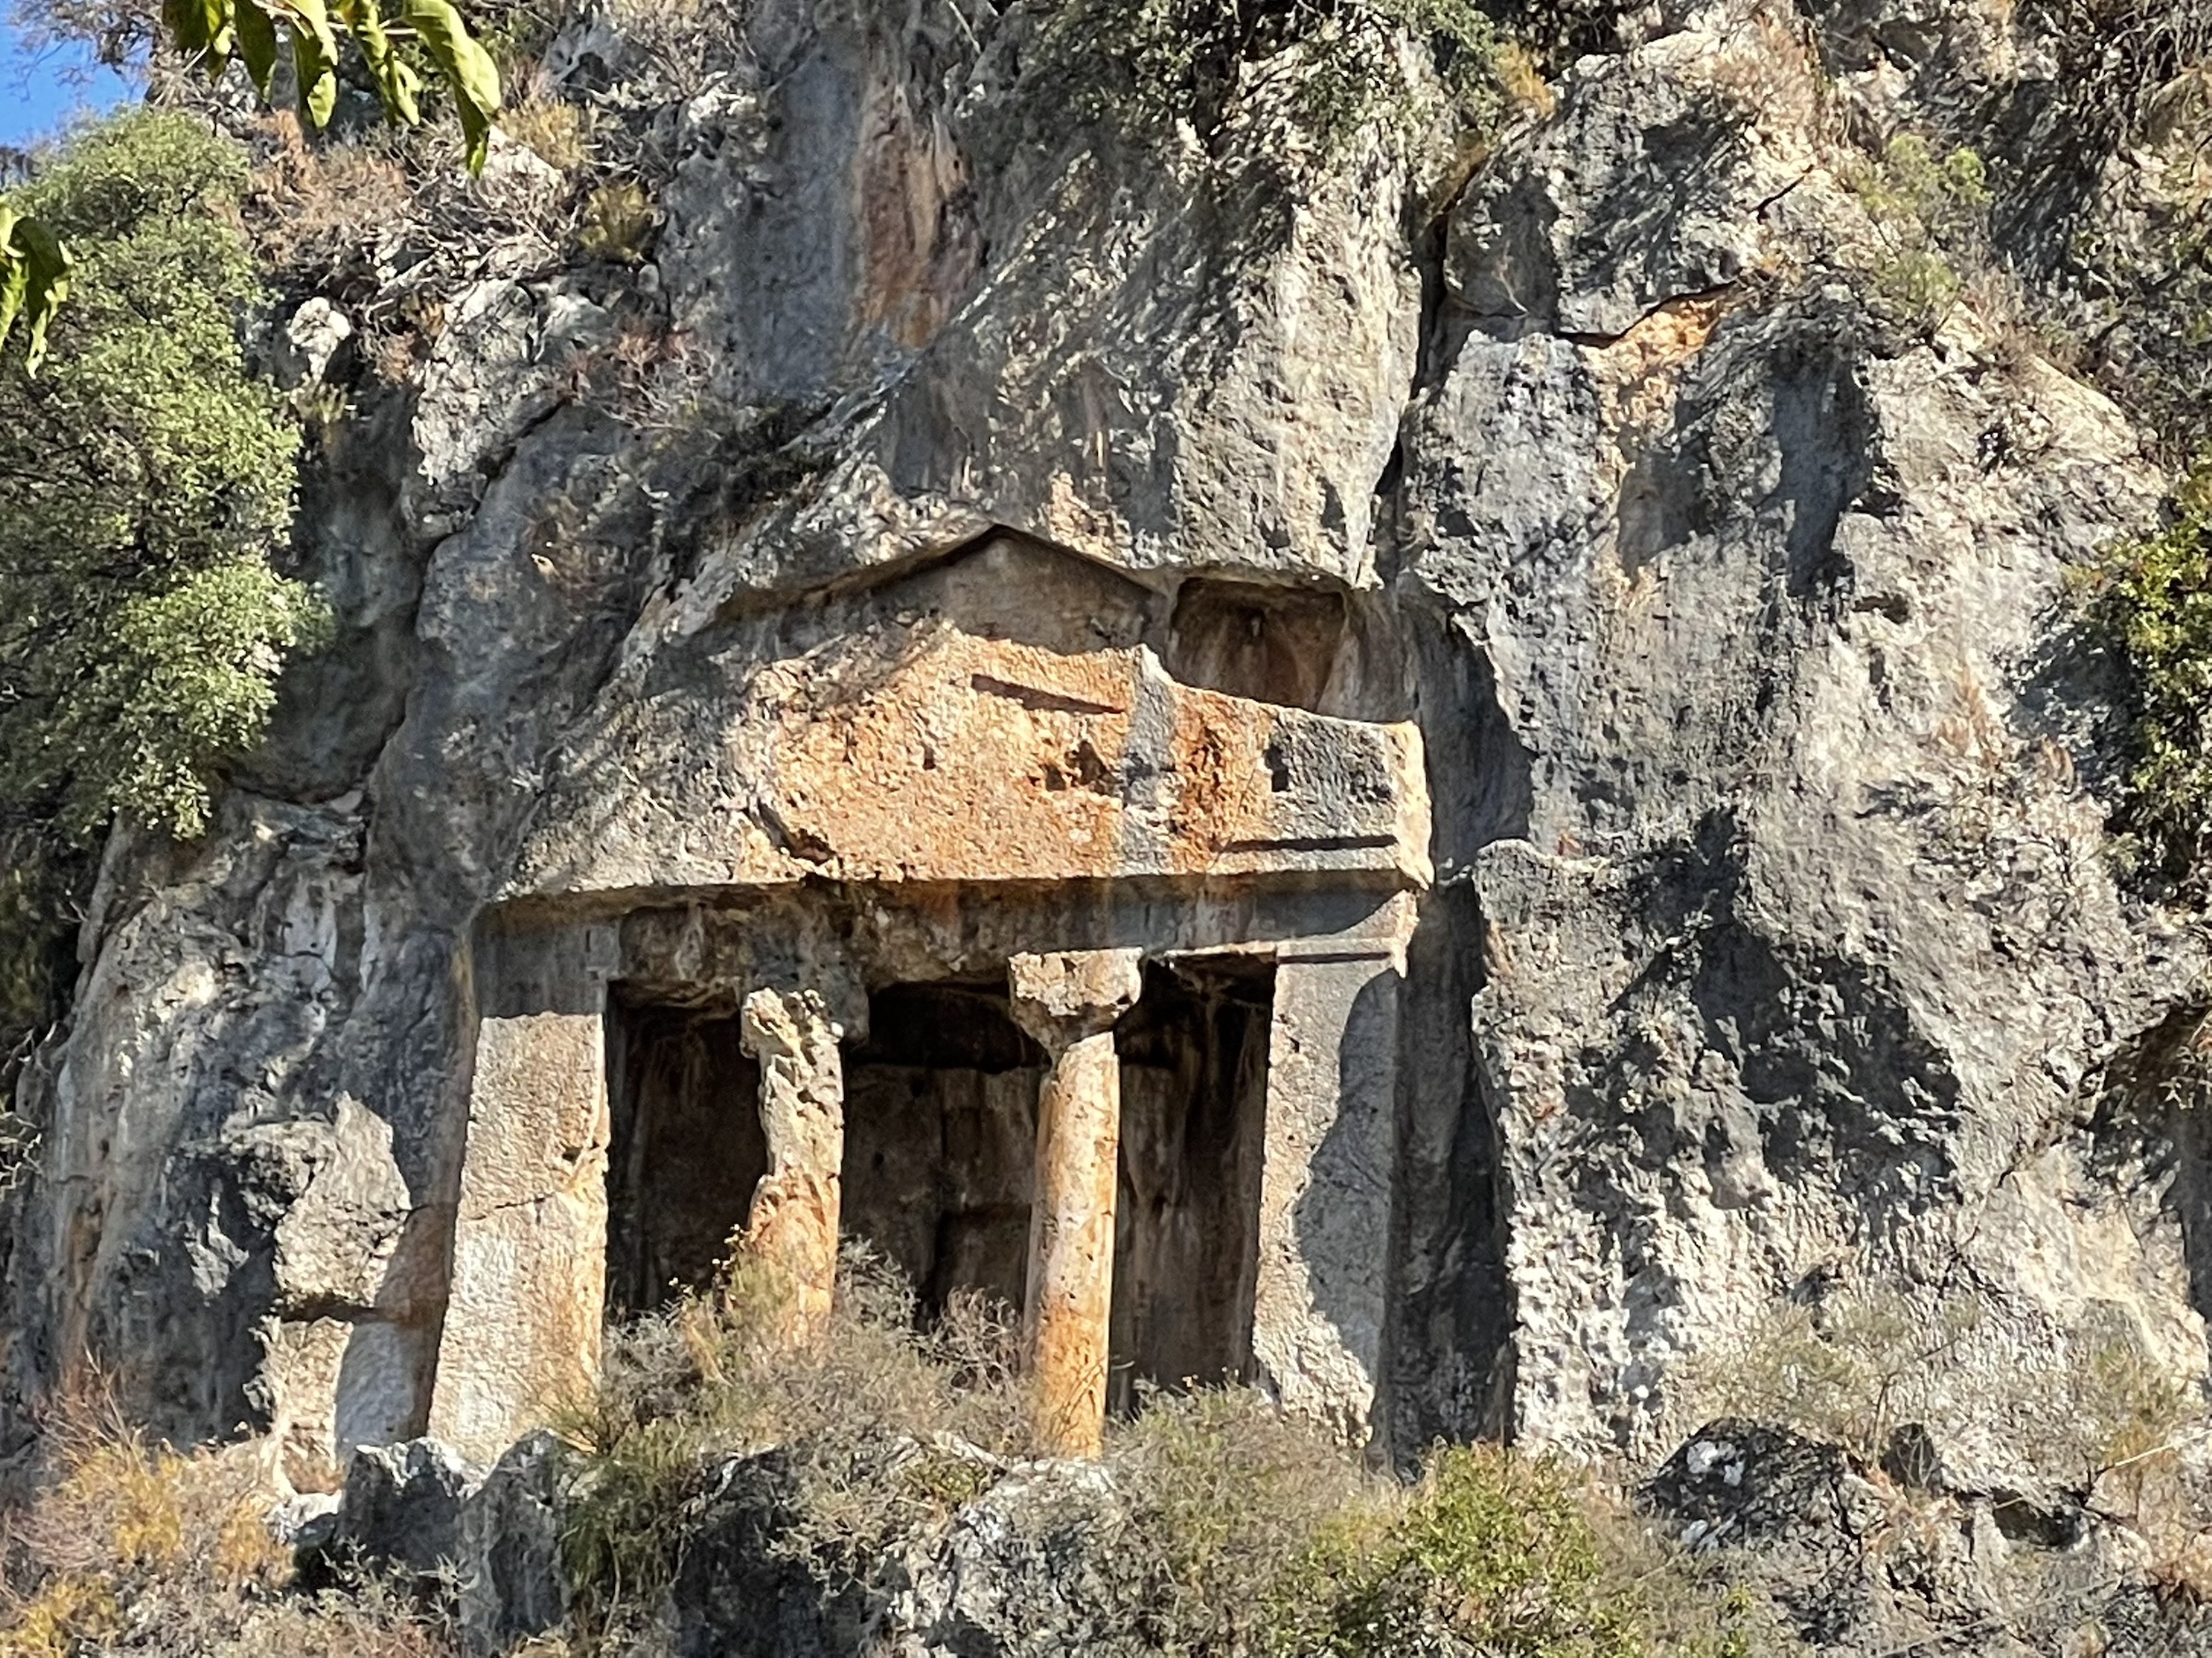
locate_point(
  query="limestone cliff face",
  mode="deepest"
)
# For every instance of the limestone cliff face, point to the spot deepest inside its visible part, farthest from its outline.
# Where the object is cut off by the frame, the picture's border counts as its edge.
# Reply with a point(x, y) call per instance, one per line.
point(1765, 946)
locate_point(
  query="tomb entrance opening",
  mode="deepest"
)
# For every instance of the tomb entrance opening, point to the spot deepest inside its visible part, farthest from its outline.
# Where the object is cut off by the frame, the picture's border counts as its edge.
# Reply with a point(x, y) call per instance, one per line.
point(685, 1147)
point(1193, 1117)
point(940, 1134)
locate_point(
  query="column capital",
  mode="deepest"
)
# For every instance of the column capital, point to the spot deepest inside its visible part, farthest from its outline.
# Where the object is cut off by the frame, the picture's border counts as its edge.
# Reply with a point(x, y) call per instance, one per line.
point(782, 1023)
point(1067, 995)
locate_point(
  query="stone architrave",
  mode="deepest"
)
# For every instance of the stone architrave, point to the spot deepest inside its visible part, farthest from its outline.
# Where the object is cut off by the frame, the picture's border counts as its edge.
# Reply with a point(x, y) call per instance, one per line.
point(793, 1223)
point(1322, 1287)
point(1069, 1003)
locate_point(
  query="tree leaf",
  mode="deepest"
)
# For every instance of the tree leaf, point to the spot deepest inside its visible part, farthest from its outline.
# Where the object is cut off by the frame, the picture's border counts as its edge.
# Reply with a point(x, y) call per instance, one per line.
point(257, 45)
point(396, 83)
point(201, 27)
point(15, 273)
point(466, 67)
point(314, 56)
point(48, 286)
point(34, 281)
point(318, 75)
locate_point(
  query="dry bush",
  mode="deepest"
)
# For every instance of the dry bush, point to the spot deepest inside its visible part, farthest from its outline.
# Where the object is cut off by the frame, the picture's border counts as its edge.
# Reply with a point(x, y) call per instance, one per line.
point(716, 1375)
point(1521, 80)
point(652, 378)
point(389, 221)
point(1236, 1530)
point(2126, 1426)
point(2094, 1413)
point(689, 41)
point(133, 1547)
point(558, 132)
point(317, 206)
point(1847, 1371)
point(1685, 1604)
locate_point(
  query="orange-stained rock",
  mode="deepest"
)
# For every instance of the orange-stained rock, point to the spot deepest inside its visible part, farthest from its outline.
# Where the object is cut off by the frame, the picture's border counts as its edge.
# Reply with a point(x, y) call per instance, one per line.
point(1069, 1003)
point(925, 753)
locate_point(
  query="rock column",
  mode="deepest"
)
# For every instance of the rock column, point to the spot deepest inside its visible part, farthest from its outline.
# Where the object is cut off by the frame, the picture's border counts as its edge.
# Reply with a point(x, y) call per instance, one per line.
point(1069, 1003)
point(793, 1223)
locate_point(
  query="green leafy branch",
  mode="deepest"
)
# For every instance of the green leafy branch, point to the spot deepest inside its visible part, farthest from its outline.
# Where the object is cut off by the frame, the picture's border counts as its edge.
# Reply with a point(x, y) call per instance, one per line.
point(214, 31)
point(34, 280)
point(35, 266)
point(2152, 599)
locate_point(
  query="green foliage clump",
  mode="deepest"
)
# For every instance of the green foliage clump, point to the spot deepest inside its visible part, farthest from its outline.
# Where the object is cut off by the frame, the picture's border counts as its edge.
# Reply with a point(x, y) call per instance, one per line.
point(619, 221)
point(145, 485)
point(1928, 210)
point(1233, 1496)
point(2153, 599)
point(1333, 66)
point(145, 482)
point(1493, 1550)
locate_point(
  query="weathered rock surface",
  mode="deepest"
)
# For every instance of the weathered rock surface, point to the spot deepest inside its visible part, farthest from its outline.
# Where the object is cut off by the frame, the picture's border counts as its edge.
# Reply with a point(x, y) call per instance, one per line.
point(512, 1583)
point(1029, 1568)
point(403, 1507)
point(1802, 962)
point(486, 1544)
point(1594, 566)
point(1858, 1566)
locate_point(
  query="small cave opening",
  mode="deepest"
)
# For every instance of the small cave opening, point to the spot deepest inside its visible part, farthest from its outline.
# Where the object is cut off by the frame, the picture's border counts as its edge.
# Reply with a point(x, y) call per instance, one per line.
point(685, 1147)
point(1194, 1115)
point(1273, 644)
point(941, 1137)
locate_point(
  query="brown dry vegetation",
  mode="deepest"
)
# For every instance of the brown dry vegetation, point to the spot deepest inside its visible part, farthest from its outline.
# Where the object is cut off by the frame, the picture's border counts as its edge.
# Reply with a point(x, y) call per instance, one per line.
point(1250, 1533)
point(132, 1547)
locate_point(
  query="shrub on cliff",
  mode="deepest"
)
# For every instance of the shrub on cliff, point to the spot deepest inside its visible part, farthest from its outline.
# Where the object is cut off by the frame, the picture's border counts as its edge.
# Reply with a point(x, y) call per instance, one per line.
point(134, 1547)
point(712, 1374)
point(1332, 65)
point(145, 495)
point(2153, 599)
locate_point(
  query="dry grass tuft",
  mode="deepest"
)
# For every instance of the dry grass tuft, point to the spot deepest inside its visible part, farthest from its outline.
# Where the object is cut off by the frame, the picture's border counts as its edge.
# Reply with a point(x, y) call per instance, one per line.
point(134, 1548)
point(315, 206)
point(559, 133)
point(1522, 80)
point(714, 1375)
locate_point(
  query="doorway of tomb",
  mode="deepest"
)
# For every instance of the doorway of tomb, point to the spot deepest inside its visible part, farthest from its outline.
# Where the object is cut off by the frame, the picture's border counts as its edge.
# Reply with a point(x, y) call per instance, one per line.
point(685, 1147)
point(940, 1124)
point(1193, 1117)
point(940, 1138)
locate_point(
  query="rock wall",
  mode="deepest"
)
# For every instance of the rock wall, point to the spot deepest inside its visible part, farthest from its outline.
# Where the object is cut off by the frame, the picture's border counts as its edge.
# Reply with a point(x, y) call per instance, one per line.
point(1774, 954)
